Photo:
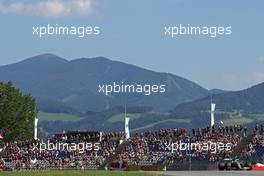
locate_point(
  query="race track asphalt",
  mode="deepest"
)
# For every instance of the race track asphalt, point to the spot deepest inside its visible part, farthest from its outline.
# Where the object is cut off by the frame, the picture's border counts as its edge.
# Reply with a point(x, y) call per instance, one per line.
point(209, 173)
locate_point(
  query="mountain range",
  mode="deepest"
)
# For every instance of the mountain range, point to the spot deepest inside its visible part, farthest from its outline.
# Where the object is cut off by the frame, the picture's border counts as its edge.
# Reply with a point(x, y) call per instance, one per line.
point(238, 107)
point(248, 102)
point(66, 86)
point(71, 87)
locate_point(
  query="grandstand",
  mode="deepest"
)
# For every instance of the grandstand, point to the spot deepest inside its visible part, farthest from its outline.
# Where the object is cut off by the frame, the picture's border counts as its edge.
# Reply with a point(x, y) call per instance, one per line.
point(151, 150)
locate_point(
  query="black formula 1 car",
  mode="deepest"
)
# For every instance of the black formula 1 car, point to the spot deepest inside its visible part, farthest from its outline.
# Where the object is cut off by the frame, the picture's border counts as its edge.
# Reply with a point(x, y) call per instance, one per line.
point(234, 164)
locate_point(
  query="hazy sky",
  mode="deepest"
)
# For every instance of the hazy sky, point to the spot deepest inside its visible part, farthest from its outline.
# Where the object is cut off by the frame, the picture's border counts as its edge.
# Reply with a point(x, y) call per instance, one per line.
point(132, 31)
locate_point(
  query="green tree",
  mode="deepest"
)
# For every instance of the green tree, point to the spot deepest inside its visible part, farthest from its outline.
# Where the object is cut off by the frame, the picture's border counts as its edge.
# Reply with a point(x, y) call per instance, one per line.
point(17, 113)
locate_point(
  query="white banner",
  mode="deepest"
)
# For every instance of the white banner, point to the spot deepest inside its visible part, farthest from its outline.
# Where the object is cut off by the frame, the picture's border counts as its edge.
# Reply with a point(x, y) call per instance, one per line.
point(127, 128)
point(36, 129)
point(101, 136)
point(212, 114)
point(212, 107)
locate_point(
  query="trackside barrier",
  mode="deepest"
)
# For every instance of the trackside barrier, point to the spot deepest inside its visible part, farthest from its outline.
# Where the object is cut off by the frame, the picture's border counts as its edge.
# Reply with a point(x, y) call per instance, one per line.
point(145, 168)
point(194, 165)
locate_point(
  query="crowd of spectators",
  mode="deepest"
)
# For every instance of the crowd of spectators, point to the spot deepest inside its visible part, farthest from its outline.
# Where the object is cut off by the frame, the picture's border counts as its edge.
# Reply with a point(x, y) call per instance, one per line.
point(157, 147)
point(146, 148)
point(27, 154)
point(255, 147)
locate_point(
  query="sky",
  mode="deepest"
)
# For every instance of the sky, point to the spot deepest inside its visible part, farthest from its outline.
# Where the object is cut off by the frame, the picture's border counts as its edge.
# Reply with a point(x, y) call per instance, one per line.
point(132, 31)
